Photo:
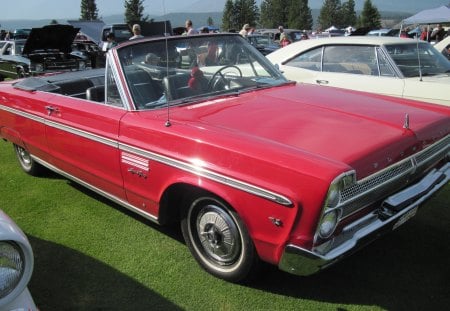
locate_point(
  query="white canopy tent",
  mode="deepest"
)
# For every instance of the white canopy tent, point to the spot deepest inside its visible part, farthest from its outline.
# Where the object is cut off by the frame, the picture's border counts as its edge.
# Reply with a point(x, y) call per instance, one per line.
point(430, 16)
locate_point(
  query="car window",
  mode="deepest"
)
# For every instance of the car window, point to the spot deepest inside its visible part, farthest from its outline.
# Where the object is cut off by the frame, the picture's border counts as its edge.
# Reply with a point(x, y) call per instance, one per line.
point(384, 69)
point(418, 58)
point(355, 59)
point(178, 69)
point(8, 49)
point(310, 60)
point(112, 92)
point(19, 48)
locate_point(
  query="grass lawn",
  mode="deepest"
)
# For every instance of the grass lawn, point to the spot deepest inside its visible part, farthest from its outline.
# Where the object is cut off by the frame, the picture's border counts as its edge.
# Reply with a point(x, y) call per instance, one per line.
point(91, 254)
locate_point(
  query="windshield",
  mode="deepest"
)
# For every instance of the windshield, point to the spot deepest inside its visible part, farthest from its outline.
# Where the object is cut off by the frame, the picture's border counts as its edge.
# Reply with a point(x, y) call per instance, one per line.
point(181, 69)
point(408, 57)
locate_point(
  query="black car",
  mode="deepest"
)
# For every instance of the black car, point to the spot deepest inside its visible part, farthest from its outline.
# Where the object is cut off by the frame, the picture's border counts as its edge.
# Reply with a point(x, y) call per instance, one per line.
point(263, 43)
point(47, 49)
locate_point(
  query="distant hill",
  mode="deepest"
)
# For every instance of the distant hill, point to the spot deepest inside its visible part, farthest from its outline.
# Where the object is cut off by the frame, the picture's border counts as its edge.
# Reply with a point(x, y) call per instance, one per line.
point(409, 6)
point(199, 11)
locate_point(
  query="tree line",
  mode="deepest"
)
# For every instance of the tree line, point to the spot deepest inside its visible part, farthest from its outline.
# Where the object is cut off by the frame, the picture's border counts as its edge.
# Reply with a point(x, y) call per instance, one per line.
point(297, 14)
point(271, 14)
point(134, 11)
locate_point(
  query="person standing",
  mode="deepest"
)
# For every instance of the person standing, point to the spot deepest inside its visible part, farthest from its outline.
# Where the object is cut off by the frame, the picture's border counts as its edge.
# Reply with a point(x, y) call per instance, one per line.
point(438, 33)
point(244, 30)
point(136, 32)
point(189, 28)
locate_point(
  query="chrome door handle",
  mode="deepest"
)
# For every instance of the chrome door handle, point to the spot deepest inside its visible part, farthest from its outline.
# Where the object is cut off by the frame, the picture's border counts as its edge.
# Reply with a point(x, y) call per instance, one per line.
point(51, 109)
point(322, 81)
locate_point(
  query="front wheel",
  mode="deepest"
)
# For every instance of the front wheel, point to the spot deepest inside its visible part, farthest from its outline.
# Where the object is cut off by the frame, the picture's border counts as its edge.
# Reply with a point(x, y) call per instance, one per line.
point(218, 239)
point(26, 162)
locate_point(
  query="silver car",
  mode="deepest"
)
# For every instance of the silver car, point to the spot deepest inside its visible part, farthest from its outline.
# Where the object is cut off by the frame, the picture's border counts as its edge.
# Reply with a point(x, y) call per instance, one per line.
point(16, 267)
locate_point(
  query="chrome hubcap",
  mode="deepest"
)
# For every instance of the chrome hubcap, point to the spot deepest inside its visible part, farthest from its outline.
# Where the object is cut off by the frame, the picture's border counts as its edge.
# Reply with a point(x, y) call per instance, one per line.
point(24, 156)
point(219, 236)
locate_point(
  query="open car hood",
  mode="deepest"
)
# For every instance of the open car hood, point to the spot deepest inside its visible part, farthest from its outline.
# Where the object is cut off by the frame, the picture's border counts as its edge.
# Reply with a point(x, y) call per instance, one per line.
point(50, 37)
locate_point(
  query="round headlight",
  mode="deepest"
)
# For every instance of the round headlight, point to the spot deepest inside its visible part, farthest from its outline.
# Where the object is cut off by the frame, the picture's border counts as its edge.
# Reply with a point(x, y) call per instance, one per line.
point(333, 197)
point(12, 266)
point(328, 224)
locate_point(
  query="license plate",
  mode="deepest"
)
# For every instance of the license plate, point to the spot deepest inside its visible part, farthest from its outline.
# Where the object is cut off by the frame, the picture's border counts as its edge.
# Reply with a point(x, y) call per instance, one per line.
point(405, 218)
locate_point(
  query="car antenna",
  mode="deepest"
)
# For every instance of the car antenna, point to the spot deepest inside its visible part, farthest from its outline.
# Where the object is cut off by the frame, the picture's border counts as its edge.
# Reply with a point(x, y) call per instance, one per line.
point(168, 123)
point(418, 58)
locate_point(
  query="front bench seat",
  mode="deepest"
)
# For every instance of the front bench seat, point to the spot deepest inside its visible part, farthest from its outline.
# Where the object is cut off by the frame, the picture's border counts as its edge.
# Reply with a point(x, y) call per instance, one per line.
point(96, 93)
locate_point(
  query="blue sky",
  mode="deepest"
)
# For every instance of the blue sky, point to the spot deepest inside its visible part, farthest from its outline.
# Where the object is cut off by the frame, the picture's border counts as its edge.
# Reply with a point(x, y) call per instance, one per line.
point(70, 9)
point(57, 9)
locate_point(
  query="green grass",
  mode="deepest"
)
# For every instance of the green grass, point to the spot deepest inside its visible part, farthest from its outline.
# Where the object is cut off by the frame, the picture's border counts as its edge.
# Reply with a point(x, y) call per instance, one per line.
point(91, 254)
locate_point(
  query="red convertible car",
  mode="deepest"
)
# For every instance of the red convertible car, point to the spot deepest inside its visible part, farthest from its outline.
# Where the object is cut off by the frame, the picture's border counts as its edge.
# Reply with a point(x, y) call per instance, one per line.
point(202, 130)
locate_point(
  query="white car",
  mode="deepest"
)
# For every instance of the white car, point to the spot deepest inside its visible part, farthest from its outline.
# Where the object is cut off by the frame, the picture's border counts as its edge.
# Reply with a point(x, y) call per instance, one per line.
point(16, 267)
point(386, 65)
point(443, 46)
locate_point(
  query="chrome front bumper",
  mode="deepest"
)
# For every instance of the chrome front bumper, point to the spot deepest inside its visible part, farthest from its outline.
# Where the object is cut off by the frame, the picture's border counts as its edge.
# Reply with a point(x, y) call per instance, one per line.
point(393, 212)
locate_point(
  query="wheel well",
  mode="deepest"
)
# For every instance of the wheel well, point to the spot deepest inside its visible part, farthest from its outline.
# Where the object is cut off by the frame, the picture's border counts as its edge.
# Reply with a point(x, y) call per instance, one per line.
point(174, 201)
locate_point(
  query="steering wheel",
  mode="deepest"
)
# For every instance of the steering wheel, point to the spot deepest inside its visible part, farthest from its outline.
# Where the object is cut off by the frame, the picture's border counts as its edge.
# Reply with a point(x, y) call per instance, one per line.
point(219, 78)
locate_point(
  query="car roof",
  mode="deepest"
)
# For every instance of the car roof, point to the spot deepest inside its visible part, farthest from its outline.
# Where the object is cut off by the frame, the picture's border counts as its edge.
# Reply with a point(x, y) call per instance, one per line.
point(304, 45)
point(442, 44)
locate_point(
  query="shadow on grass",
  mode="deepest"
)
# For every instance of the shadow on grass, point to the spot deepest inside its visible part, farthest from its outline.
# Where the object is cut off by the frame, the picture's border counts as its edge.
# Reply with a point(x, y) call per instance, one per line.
point(172, 230)
point(82, 283)
point(404, 270)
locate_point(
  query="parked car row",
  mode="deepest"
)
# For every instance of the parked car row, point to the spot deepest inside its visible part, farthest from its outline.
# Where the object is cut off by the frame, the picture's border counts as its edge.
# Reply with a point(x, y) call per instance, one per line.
point(205, 132)
point(47, 49)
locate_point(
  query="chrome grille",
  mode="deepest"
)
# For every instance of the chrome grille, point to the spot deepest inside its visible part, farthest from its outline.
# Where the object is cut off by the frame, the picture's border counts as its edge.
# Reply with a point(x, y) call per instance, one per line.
point(437, 150)
point(375, 180)
point(394, 177)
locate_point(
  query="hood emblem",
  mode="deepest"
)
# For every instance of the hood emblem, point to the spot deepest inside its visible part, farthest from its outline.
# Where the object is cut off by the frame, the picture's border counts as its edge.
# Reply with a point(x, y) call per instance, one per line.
point(406, 122)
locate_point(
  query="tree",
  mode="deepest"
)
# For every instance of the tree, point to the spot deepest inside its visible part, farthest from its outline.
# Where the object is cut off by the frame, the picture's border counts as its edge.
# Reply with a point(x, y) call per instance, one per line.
point(134, 11)
point(370, 16)
point(330, 14)
point(299, 16)
point(239, 12)
point(246, 12)
point(89, 10)
point(210, 21)
point(227, 17)
point(348, 14)
point(274, 13)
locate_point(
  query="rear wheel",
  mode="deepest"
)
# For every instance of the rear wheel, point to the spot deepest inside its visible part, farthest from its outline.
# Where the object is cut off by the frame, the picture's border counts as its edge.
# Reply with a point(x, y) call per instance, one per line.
point(218, 239)
point(27, 163)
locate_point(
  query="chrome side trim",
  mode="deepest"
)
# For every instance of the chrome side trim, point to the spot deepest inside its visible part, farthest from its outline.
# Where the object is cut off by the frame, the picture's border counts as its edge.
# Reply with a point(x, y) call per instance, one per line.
point(187, 167)
point(84, 134)
point(23, 114)
point(97, 190)
point(199, 171)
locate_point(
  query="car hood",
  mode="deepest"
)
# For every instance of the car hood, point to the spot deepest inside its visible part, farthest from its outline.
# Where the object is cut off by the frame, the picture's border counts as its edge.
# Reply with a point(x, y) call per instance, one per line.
point(366, 132)
point(50, 37)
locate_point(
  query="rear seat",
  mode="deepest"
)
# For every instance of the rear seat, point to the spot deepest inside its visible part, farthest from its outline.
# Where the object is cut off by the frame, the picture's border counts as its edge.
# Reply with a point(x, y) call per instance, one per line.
point(75, 88)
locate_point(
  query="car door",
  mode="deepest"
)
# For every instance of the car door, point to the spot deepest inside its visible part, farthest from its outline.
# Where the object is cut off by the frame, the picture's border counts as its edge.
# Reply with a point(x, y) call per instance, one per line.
point(357, 67)
point(7, 64)
point(83, 140)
